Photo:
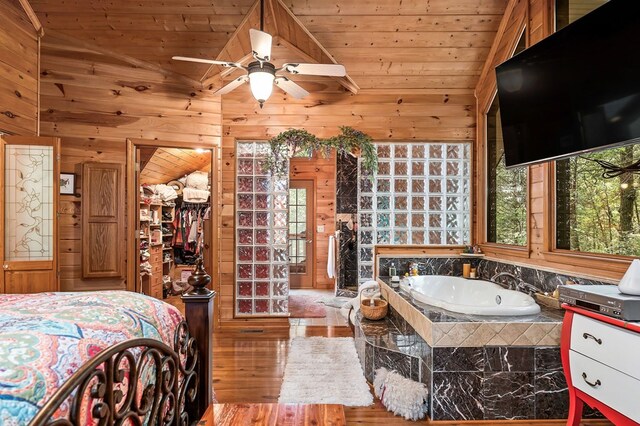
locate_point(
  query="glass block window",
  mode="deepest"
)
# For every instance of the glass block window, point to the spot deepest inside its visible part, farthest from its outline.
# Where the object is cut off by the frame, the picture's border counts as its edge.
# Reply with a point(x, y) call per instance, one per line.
point(262, 270)
point(420, 195)
point(29, 186)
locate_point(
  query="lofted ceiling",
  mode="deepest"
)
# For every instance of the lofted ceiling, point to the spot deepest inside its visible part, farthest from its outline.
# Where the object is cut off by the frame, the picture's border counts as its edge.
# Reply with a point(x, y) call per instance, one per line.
point(162, 165)
point(435, 46)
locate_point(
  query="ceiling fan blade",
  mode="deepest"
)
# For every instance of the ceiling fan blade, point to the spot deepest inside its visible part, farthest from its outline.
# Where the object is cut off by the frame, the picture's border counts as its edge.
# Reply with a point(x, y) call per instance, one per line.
point(208, 61)
point(232, 85)
point(330, 70)
point(290, 87)
point(260, 44)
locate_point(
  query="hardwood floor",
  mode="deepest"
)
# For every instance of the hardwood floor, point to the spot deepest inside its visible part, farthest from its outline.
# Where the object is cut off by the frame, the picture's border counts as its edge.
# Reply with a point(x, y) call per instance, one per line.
point(248, 368)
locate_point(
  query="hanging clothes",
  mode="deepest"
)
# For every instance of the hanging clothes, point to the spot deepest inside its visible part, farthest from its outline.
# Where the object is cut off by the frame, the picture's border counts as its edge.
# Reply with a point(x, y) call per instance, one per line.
point(188, 239)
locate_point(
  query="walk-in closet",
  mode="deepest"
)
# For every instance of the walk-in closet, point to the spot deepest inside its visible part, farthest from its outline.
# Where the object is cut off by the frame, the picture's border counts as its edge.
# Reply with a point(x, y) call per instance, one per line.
point(174, 211)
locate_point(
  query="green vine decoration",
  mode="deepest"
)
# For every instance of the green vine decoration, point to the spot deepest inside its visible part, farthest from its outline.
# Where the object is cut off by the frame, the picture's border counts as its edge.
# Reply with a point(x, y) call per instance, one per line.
point(298, 142)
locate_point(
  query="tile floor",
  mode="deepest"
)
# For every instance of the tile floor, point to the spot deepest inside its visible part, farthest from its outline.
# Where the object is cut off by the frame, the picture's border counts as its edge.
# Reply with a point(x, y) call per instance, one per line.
point(334, 317)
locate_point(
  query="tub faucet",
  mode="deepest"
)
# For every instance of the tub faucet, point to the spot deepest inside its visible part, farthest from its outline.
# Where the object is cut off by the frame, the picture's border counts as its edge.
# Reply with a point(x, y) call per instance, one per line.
point(515, 279)
point(520, 285)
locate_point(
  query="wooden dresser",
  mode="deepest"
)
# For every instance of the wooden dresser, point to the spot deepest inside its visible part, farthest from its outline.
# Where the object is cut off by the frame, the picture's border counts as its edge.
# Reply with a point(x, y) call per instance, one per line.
point(601, 361)
point(155, 280)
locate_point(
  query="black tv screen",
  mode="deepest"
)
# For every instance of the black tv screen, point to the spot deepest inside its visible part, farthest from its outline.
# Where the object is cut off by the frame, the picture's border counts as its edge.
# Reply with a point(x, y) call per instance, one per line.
point(576, 91)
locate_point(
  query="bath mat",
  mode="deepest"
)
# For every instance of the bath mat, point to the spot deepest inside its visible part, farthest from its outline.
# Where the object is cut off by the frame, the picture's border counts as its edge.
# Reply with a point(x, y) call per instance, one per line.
point(324, 370)
point(333, 301)
point(305, 307)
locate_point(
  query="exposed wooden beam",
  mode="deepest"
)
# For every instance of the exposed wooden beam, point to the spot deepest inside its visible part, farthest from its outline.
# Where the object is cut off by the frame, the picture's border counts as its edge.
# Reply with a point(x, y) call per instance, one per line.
point(223, 56)
point(26, 6)
point(346, 81)
point(273, 15)
point(124, 58)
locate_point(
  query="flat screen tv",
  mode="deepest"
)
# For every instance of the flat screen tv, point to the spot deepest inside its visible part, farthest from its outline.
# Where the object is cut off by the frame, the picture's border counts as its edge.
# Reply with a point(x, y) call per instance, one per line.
point(576, 91)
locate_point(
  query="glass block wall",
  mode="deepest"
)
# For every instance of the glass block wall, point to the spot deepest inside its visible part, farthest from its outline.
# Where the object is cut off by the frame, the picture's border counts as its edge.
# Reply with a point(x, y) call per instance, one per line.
point(262, 269)
point(420, 195)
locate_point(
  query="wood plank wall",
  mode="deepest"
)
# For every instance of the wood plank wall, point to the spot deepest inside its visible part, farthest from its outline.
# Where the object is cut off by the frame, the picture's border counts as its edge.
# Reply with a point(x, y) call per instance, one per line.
point(94, 103)
point(402, 116)
point(19, 56)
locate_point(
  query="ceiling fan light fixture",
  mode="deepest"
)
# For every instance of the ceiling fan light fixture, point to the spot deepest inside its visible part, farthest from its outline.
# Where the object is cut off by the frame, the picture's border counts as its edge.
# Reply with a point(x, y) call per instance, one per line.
point(261, 76)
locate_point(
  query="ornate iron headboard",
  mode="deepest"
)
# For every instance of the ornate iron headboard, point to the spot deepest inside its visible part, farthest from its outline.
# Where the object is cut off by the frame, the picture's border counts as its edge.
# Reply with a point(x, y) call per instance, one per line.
point(142, 381)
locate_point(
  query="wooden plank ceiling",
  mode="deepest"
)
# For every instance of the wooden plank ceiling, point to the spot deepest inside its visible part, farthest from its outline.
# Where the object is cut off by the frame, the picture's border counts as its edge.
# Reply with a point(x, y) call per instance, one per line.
point(162, 165)
point(389, 46)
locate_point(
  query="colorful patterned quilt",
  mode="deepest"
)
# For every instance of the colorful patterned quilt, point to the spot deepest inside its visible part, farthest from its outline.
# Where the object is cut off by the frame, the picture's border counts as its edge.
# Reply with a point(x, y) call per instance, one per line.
point(46, 337)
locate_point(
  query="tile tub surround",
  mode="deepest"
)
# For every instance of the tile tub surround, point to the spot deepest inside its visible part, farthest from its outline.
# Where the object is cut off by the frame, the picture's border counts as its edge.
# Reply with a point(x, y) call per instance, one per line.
point(442, 328)
point(487, 268)
point(467, 383)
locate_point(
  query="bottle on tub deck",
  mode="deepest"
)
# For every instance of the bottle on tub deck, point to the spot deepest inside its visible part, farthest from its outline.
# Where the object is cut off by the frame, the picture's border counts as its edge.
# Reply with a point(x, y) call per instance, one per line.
point(392, 270)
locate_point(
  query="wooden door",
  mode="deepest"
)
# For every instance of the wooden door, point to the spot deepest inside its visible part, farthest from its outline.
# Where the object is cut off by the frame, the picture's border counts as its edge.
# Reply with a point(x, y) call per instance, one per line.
point(301, 242)
point(102, 220)
point(28, 207)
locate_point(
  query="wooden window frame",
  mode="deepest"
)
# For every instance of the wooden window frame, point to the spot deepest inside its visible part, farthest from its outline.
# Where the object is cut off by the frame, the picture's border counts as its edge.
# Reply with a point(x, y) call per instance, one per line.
point(608, 263)
point(491, 248)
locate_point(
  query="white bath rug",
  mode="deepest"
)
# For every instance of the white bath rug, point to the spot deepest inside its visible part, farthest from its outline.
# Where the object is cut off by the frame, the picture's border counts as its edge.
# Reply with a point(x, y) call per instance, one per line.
point(324, 370)
point(333, 301)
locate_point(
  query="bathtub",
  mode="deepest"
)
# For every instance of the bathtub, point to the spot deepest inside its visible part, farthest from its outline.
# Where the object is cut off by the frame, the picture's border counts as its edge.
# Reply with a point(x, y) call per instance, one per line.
point(474, 297)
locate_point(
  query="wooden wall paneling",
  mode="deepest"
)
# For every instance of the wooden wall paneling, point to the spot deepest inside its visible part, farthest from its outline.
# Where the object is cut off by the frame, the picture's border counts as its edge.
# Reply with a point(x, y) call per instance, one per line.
point(95, 102)
point(19, 56)
point(103, 220)
point(74, 153)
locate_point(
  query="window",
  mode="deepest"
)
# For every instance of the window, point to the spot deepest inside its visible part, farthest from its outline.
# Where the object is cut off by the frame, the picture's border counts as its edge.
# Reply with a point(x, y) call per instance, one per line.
point(595, 214)
point(506, 189)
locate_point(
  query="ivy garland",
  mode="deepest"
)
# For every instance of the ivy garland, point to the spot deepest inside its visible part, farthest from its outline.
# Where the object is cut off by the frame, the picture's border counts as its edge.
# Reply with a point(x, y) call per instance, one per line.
point(297, 141)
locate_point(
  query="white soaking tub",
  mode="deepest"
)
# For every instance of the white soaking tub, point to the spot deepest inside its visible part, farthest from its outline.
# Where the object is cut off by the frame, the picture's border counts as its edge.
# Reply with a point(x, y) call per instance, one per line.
point(465, 296)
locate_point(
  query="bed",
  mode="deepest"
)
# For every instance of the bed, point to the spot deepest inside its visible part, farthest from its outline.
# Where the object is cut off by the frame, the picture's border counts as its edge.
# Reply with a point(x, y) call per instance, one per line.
point(103, 358)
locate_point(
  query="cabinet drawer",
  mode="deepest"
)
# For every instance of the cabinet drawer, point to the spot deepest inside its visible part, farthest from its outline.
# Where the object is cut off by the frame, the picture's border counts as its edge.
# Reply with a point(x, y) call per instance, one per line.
point(611, 387)
point(611, 345)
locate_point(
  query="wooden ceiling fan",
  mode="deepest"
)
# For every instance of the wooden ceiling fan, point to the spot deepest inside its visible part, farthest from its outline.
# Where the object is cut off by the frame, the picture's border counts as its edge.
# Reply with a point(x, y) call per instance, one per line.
point(262, 74)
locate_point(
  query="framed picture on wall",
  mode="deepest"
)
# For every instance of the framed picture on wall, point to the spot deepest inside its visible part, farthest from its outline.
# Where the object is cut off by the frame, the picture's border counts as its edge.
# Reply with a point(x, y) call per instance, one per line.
point(67, 183)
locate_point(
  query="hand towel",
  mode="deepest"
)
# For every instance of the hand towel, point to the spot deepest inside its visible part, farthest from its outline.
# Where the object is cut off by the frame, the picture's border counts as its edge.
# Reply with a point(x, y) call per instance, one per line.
point(331, 259)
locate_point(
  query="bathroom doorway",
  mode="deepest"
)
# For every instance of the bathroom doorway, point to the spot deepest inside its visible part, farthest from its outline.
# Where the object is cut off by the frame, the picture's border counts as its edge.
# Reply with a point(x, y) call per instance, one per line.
point(301, 235)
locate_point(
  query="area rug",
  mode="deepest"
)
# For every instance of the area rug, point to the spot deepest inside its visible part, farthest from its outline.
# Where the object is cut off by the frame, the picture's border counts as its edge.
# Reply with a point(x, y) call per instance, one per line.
point(333, 301)
point(305, 307)
point(324, 370)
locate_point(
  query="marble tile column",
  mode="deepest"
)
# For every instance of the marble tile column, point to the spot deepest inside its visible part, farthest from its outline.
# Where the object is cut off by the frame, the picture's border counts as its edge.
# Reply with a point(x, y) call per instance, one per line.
point(346, 203)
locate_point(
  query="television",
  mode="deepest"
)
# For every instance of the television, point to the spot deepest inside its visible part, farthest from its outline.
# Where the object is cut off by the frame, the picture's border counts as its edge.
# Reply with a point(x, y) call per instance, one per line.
point(576, 91)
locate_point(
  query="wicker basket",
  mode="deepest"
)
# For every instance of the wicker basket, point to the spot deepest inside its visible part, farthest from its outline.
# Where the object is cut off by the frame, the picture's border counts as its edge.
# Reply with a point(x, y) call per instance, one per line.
point(375, 312)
